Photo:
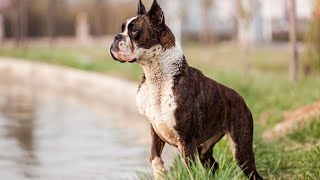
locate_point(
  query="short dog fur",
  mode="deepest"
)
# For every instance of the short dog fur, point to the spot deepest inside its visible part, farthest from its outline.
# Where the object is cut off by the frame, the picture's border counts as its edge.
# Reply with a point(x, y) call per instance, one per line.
point(186, 109)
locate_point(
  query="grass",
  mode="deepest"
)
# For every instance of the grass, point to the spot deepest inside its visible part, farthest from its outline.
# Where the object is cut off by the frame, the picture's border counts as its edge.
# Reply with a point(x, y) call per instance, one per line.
point(311, 134)
point(227, 166)
point(267, 91)
point(96, 60)
point(310, 167)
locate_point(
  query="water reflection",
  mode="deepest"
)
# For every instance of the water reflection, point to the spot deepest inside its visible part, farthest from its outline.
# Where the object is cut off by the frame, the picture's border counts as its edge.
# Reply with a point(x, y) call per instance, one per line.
point(19, 115)
point(57, 139)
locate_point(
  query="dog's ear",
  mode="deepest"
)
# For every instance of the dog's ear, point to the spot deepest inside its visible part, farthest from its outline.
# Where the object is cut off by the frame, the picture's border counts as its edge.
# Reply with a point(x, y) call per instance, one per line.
point(141, 9)
point(156, 14)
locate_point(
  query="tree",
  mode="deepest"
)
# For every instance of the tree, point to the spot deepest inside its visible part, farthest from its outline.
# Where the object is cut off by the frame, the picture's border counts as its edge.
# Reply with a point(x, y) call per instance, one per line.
point(97, 23)
point(23, 16)
point(312, 60)
point(51, 19)
point(19, 19)
point(244, 36)
point(14, 21)
point(205, 32)
point(293, 41)
point(235, 20)
point(1, 28)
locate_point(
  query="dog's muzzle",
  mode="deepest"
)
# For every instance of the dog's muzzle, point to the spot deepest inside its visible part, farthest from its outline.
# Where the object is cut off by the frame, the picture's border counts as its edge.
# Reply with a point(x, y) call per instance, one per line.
point(121, 49)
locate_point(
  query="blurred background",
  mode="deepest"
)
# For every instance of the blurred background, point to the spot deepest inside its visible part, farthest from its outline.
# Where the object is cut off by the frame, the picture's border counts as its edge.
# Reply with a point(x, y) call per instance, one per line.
point(67, 110)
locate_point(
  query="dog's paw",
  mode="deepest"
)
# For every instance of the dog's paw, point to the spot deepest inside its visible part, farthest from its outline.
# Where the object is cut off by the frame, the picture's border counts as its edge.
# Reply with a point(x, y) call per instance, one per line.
point(159, 174)
point(159, 171)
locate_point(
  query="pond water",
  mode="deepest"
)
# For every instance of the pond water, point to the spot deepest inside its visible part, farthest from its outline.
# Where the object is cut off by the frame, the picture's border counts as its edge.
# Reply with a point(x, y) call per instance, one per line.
point(59, 139)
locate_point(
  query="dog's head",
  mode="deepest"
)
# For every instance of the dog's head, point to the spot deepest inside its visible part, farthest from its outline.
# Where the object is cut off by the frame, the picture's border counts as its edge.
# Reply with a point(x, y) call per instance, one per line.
point(142, 36)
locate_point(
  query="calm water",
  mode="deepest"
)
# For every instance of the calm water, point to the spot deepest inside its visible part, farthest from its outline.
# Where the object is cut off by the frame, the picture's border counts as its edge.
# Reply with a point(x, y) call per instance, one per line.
point(57, 139)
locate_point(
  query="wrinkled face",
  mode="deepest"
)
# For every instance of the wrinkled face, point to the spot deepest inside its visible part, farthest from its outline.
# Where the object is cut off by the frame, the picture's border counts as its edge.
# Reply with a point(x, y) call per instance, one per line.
point(136, 38)
point(141, 36)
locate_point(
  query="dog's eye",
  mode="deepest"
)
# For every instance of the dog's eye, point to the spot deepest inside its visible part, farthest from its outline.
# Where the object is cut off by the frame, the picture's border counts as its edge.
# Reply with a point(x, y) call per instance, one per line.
point(133, 30)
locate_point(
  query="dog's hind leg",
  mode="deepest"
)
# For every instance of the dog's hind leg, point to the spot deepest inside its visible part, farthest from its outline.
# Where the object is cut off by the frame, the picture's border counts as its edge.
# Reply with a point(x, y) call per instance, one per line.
point(205, 151)
point(241, 136)
point(187, 153)
point(155, 157)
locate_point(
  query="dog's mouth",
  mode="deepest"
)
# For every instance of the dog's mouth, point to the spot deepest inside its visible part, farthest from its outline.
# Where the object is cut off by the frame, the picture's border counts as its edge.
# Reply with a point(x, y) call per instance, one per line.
point(123, 53)
point(133, 60)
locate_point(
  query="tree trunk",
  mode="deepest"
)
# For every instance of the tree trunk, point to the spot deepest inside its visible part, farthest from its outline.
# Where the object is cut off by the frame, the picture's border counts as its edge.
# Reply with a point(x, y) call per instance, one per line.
point(24, 20)
point(293, 40)
point(98, 5)
point(235, 20)
point(15, 25)
point(205, 32)
point(51, 19)
point(19, 21)
point(2, 34)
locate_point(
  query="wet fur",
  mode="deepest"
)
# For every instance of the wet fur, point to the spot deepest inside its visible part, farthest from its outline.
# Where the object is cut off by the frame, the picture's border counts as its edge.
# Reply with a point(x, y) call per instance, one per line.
point(186, 109)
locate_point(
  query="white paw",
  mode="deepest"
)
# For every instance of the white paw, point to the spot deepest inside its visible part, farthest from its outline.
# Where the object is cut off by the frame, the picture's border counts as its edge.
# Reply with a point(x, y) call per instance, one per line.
point(159, 174)
point(159, 171)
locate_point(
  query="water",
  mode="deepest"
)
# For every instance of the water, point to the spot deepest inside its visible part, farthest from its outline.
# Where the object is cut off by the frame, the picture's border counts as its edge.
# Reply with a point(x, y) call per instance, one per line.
point(58, 139)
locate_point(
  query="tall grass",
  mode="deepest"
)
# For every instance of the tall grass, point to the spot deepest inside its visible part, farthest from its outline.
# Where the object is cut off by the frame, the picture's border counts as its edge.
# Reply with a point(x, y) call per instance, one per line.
point(310, 166)
point(227, 166)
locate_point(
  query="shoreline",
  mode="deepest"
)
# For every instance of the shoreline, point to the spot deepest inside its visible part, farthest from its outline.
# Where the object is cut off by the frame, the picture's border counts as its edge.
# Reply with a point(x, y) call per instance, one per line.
point(108, 95)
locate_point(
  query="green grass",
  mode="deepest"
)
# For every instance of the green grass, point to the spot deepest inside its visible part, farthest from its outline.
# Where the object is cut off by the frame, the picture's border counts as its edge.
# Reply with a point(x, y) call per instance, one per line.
point(227, 166)
point(310, 166)
point(267, 91)
point(311, 134)
point(96, 60)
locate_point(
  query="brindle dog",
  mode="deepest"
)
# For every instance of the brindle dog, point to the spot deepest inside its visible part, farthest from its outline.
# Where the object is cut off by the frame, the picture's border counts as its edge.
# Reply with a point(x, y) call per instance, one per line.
point(186, 109)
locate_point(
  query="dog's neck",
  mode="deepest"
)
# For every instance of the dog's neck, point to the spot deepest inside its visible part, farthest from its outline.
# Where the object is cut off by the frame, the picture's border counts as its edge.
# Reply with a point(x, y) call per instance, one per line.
point(165, 64)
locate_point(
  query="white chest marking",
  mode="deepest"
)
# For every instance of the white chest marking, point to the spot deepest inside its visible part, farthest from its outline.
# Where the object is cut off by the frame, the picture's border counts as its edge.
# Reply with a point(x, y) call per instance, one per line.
point(155, 99)
point(158, 105)
point(159, 110)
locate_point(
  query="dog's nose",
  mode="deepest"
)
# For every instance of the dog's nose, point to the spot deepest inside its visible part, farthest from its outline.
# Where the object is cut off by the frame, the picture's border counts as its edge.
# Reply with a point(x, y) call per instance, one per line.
point(118, 37)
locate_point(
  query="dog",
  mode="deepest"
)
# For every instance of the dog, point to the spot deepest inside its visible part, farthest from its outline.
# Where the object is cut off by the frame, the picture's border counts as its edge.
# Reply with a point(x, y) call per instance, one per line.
point(186, 109)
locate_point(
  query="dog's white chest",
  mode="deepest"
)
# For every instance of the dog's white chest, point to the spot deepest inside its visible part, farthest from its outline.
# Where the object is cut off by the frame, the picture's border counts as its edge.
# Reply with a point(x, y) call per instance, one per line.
point(158, 105)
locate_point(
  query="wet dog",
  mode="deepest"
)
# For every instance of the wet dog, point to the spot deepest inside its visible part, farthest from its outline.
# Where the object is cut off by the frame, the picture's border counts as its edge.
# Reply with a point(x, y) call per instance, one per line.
point(186, 109)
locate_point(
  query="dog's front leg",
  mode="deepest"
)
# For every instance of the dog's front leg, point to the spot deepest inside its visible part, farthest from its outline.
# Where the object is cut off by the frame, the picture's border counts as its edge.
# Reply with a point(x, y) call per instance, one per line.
point(155, 157)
